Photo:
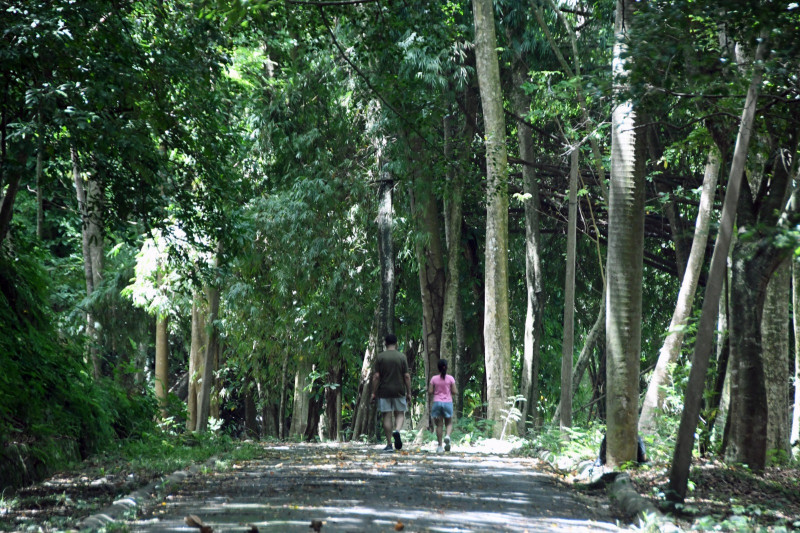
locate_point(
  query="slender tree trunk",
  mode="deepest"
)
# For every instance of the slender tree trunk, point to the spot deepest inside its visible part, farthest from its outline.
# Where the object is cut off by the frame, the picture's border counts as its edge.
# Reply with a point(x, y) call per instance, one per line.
point(162, 358)
point(282, 430)
point(682, 457)
point(196, 358)
point(459, 373)
point(333, 396)
point(567, 347)
point(385, 254)
point(452, 209)
point(795, 435)
point(777, 366)
point(86, 233)
point(625, 259)
point(654, 398)
point(365, 410)
point(39, 176)
point(534, 285)
point(496, 330)
point(212, 348)
point(585, 356)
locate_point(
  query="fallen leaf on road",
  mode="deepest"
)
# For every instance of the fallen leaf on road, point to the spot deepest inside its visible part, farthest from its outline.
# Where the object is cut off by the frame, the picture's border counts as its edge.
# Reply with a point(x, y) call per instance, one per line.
point(399, 526)
point(316, 525)
point(194, 521)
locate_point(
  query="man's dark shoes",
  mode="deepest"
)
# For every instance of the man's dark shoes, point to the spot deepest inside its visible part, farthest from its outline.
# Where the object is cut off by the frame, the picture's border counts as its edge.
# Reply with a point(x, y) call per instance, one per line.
point(388, 449)
point(398, 444)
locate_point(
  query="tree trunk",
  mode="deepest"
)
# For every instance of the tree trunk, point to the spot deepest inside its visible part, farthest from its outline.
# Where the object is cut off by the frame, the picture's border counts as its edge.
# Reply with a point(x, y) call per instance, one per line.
point(567, 347)
point(431, 276)
point(12, 187)
point(460, 371)
point(752, 267)
point(39, 176)
point(212, 348)
point(301, 402)
point(682, 457)
point(534, 285)
point(282, 403)
point(333, 397)
point(196, 358)
point(87, 232)
point(625, 260)
point(365, 411)
point(585, 356)
point(452, 209)
point(496, 332)
point(795, 436)
point(432, 287)
point(250, 410)
point(385, 255)
point(671, 349)
point(775, 334)
point(162, 360)
point(756, 257)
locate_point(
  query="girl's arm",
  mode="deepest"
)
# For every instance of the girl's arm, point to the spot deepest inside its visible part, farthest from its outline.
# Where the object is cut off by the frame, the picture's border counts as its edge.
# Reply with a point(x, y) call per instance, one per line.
point(453, 388)
point(430, 387)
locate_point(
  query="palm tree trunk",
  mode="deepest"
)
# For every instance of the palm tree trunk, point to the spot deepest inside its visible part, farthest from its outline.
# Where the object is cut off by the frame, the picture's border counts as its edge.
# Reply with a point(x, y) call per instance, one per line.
point(625, 260)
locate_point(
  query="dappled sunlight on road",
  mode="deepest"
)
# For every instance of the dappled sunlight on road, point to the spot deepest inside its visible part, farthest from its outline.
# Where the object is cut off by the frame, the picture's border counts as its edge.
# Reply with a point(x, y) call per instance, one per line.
point(357, 488)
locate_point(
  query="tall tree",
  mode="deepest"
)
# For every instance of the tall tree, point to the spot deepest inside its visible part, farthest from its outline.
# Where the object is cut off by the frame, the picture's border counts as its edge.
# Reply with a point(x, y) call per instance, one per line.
point(777, 365)
point(625, 257)
point(497, 349)
point(567, 347)
point(534, 283)
point(682, 456)
point(795, 433)
point(756, 255)
point(213, 295)
point(670, 350)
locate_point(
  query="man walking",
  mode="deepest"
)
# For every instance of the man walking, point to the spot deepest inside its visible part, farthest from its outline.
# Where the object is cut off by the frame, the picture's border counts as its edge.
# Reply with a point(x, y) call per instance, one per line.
point(391, 385)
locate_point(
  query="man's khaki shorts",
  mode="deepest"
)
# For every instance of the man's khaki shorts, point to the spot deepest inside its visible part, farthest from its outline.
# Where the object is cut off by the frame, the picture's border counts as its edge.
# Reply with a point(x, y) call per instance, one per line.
point(386, 405)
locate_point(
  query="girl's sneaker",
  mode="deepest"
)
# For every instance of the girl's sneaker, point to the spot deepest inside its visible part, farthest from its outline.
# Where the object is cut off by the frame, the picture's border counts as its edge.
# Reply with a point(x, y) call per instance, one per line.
point(447, 443)
point(439, 449)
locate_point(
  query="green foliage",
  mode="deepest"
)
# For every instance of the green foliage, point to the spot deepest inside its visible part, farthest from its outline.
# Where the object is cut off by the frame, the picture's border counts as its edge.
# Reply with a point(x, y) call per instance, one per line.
point(51, 410)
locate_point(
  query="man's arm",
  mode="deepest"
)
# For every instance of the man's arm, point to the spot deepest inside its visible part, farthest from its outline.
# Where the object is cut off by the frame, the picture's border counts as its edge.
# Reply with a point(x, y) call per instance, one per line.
point(376, 379)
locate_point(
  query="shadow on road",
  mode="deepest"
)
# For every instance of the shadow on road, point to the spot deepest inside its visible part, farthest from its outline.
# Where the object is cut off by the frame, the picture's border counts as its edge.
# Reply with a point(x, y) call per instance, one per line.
point(350, 487)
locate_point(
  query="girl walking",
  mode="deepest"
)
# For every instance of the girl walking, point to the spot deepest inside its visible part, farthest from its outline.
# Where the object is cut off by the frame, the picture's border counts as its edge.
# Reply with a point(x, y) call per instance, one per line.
point(442, 387)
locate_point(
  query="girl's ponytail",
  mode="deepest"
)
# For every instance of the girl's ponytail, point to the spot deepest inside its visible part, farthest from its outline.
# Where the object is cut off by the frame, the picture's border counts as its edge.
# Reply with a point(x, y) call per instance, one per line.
point(442, 367)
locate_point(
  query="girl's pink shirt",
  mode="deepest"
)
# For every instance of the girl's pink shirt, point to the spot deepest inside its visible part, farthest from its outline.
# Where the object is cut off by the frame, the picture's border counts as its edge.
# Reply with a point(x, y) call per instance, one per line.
point(441, 388)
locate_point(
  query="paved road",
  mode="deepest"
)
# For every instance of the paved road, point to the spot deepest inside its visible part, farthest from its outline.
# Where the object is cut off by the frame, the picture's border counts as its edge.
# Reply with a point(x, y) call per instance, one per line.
point(357, 488)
